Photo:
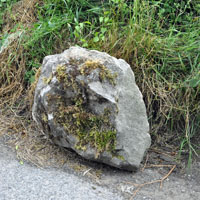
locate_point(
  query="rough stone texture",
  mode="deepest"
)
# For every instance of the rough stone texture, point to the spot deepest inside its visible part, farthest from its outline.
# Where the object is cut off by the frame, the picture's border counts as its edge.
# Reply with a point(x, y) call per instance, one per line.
point(88, 101)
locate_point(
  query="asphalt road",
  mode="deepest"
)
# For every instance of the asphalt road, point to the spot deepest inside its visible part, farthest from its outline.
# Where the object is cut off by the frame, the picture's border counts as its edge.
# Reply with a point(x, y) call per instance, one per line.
point(26, 182)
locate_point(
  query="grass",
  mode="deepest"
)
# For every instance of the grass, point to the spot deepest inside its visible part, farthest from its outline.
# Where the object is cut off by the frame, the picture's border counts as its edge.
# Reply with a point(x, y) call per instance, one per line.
point(159, 39)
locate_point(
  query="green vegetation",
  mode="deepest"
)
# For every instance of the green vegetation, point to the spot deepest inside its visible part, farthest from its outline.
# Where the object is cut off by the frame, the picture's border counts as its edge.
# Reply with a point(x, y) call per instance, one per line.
point(158, 38)
point(90, 128)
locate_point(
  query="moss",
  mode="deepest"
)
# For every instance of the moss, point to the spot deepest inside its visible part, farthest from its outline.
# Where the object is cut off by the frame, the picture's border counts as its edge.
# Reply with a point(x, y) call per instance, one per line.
point(67, 79)
point(96, 131)
point(120, 157)
point(44, 117)
point(48, 80)
point(61, 74)
point(73, 114)
point(89, 128)
point(104, 74)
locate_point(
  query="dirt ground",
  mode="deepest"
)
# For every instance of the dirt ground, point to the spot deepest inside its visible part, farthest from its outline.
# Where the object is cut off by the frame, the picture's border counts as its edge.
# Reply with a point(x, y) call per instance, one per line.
point(154, 183)
point(167, 180)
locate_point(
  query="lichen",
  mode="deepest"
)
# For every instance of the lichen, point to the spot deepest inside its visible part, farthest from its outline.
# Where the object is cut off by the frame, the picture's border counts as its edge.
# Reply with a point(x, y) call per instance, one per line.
point(73, 114)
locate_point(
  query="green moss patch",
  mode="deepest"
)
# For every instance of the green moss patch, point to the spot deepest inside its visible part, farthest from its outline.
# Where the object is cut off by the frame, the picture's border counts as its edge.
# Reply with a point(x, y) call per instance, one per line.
point(74, 115)
point(104, 73)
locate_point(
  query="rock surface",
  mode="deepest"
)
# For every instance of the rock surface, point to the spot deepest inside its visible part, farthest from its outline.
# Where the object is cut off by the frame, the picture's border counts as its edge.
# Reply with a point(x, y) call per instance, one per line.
point(88, 101)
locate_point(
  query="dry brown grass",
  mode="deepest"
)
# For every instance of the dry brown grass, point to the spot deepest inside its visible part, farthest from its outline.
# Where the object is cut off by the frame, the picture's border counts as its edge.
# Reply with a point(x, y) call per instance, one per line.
point(31, 91)
point(171, 106)
point(12, 59)
point(23, 13)
point(12, 70)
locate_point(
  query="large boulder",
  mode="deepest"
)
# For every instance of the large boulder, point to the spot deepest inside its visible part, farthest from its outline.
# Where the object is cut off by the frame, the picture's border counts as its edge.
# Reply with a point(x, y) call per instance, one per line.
point(88, 101)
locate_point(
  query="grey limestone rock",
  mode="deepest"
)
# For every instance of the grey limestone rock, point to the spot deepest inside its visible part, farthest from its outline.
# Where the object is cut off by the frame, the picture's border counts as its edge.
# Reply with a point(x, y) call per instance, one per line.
point(88, 101)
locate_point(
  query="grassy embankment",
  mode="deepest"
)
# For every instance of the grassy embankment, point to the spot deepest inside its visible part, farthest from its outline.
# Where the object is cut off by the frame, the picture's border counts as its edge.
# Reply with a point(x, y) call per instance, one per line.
point(159, 39)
